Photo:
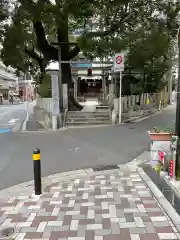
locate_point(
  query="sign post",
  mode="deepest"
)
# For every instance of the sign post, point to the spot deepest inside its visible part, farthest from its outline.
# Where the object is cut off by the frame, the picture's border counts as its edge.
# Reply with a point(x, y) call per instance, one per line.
point(119, 67)
point(172, 164)
point(120, 101)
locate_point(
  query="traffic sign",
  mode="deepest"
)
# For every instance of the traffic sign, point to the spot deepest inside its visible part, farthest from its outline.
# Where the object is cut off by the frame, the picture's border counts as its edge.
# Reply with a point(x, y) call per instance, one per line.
point(119, 62)
point(161, 156)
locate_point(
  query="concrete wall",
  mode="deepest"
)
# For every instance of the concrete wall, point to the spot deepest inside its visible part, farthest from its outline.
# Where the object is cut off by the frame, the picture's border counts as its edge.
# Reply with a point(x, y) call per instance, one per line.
point(43, 111)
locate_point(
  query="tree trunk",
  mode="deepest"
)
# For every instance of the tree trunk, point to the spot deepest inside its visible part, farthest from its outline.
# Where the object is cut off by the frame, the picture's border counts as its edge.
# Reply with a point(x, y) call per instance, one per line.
point(73, 105)
point(51, 53)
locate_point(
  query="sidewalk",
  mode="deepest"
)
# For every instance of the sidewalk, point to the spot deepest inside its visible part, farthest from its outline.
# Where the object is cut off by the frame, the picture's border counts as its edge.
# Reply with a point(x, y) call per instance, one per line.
point(108, 205)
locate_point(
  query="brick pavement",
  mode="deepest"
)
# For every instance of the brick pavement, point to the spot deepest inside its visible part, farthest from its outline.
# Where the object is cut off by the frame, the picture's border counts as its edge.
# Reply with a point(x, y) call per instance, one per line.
point(110, 205)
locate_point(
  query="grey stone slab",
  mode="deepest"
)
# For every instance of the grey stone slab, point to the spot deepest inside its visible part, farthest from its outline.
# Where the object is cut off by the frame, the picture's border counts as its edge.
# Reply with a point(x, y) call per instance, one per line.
point(28, 229)
point(127, 225)
point(46, 235)
point(81, 231)
point(137, 230)
point(153, 210)
point(48, 229)
point(95, 207)
point(78, 217)
point(148, 201)
point(149, 227)
point(63, 228)
point(60, 216)
point(161, 224)
point(44, 214)
point(120, 213)
point(140, 214)
point(98, 218)
point(103, 232)
point(115, 228)
point(129, 217)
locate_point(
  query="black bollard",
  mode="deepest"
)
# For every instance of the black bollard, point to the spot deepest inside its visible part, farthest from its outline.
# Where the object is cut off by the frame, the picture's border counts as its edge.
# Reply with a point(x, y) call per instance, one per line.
point(37, 171)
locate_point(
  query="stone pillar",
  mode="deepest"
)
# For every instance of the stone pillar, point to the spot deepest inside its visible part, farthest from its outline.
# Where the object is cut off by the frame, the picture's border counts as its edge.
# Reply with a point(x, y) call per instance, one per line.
point(65, 96)
point(111, 94)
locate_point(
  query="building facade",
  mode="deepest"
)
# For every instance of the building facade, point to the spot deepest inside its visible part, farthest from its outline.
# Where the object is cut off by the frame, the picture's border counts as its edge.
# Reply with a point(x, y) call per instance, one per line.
point(8, 81)
point(26, 87)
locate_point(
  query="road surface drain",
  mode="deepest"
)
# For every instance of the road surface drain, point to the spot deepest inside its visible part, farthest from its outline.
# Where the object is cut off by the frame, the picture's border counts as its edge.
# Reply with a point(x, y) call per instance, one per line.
point(103, 168)
point(6, 232)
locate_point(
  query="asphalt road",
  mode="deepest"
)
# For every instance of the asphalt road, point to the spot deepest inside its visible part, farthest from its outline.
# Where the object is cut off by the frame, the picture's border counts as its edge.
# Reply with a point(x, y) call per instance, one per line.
point(13, 116)
point(75, 148)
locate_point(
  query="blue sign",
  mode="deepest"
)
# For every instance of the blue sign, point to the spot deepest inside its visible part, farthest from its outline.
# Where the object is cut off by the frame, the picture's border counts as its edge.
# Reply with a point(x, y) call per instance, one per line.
point(81, 65)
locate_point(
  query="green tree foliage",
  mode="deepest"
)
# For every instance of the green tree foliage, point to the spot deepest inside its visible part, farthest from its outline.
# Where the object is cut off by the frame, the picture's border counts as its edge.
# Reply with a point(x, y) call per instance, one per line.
point(44, 89)
point(142, 28)
point(145, 30)
point(4, 14)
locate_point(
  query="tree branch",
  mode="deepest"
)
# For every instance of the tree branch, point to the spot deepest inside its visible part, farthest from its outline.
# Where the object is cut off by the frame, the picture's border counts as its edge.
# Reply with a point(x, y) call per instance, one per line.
point(49, 52)
point(114, 27)
point(74, 52)
point(35, 56)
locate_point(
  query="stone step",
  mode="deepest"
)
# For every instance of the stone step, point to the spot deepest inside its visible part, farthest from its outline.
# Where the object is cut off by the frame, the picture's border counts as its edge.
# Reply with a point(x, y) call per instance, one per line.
point(88, 117)
point(99, 113)
point(102, 107)
point(87, 120)
point(88, 123)
point(98, 117)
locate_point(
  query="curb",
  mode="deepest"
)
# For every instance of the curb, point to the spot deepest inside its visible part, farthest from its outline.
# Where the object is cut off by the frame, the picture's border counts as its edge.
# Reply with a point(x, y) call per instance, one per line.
point(172, 185)
point(17, 127)
point(44, 130)
point(29, 185)
point(143, 117)
point(65, 176)
point(23, 127)
point(90, 126)
point(167, 207)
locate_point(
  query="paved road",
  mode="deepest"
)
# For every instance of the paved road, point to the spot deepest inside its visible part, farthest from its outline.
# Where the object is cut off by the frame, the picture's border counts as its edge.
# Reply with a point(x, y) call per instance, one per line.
point(75, 148)
point(11, 116)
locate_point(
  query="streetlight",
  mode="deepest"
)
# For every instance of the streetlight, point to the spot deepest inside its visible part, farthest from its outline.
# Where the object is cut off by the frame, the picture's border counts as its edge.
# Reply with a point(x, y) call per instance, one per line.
point(178, 108)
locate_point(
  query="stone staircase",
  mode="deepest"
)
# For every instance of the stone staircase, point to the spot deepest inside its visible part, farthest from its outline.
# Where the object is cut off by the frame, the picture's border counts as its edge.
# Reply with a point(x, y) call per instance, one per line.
point(101, 116)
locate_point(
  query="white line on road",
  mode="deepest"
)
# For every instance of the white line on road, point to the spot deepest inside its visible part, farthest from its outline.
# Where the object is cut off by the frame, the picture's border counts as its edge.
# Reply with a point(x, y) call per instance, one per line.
point(10, 110)
point(13, 120)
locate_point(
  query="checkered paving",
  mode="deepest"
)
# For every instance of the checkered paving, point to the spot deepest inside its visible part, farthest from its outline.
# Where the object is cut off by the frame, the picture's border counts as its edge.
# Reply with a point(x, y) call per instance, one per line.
point(100, 207)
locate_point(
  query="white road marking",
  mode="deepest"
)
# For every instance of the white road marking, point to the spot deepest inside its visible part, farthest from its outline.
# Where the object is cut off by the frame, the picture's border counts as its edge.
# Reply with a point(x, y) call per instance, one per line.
point(12, 109)
point(13, 120)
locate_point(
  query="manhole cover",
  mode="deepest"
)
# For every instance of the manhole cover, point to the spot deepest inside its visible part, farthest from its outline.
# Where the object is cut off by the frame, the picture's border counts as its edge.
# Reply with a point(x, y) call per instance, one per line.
point(6, 232)
point(103, 168)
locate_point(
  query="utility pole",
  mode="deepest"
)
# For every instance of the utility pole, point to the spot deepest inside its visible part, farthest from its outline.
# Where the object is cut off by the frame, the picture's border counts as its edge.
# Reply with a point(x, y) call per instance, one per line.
point(170, 85)
point(60, 80)
point(178, 110)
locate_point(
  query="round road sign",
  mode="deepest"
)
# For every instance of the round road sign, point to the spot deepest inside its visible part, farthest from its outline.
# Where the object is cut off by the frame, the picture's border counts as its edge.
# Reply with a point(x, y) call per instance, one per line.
point(118, 60)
